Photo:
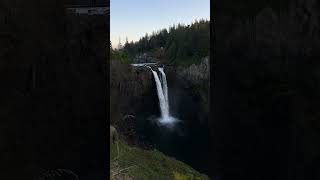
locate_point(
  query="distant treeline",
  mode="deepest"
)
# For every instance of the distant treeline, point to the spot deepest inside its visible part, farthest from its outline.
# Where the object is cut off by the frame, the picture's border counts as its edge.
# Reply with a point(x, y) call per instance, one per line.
point(183, 44)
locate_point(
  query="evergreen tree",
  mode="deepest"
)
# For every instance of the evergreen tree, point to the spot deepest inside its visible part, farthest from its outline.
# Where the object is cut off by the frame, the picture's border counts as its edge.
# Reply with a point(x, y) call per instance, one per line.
point(180, 43)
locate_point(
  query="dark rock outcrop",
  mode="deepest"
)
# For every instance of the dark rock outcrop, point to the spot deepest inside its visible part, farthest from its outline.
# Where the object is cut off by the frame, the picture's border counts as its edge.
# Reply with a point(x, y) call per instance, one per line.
point(189, 87)
point(196, 74)
point(131, 87)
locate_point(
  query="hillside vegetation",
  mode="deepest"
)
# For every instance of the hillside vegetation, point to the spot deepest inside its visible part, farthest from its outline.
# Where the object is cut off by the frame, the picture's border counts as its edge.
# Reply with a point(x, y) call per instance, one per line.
point(180, 44)
point(134, 163)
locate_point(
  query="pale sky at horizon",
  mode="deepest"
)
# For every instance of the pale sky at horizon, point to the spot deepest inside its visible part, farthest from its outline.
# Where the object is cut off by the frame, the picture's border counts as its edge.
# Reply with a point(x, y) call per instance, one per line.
point(135, 18)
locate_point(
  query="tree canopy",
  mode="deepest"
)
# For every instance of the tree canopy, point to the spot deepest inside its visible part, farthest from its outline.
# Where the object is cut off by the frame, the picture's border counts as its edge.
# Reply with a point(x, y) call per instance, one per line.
point(183, 44)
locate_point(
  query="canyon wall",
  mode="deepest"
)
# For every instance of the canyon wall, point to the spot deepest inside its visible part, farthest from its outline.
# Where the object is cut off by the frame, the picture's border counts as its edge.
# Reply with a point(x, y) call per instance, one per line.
point(133, 89)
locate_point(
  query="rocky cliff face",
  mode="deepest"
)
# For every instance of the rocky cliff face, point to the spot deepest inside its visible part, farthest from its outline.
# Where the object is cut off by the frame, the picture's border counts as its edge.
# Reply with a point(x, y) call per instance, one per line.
point(196, 74)
point(132, 95)
point(131, 90)
point(195, 81)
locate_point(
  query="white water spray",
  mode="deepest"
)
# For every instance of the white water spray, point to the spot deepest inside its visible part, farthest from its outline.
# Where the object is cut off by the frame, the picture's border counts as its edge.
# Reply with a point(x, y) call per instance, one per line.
point(162, 101)
point(164, 86)
point(162, 91)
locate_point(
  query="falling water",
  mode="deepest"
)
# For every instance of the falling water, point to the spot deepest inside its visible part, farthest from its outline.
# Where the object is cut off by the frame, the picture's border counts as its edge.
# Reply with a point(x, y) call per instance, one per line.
point(164, 86)
point(162, 101)
point(162, 91)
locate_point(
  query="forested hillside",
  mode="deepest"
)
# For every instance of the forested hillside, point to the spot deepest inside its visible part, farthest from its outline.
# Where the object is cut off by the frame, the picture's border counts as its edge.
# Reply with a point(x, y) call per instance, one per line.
point(182, 44)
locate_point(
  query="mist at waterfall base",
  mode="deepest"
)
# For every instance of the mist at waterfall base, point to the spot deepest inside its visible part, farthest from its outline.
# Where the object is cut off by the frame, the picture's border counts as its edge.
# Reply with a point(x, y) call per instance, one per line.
point(174, 128)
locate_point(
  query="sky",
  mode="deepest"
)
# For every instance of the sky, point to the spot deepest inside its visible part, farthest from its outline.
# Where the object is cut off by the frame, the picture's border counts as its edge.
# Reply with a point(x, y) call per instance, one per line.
point(132, 19)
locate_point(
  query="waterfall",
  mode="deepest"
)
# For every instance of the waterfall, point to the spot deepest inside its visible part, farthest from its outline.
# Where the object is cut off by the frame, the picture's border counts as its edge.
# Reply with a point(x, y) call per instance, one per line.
point(164, 86)
point(162, 100)
point(162, 91)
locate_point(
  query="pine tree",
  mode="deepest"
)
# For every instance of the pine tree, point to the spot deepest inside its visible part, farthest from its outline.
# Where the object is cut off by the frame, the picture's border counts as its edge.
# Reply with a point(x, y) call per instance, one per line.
point(177, 43)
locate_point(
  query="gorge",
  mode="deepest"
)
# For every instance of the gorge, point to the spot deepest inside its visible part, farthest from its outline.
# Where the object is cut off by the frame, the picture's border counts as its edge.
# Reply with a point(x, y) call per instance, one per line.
point(168, 108)
point(159, 91)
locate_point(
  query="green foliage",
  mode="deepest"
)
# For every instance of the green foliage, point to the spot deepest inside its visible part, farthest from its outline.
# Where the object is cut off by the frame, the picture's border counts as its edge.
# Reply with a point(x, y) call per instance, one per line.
point(187, 60)
point(121, 56)
point(181, 45)
point(148, 164)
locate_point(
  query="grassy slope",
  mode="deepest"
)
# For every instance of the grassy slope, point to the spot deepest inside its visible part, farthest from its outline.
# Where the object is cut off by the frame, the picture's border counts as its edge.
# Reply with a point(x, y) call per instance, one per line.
point(135, 163)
